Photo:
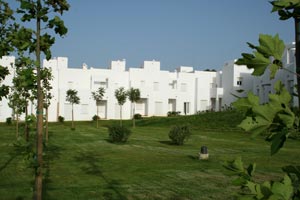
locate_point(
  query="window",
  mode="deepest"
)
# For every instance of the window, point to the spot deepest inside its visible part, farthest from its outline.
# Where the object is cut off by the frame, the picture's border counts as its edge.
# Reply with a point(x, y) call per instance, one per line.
point(183, 87)
point(70, 84)
point(156, 86)
point(143, 83)
point(84, 109)
point(239, 80)
point(173, 85)
point(186, 107)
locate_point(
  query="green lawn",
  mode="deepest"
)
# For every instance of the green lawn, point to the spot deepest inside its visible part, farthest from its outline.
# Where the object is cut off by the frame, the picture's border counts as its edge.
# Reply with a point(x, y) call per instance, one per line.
point(82, 164)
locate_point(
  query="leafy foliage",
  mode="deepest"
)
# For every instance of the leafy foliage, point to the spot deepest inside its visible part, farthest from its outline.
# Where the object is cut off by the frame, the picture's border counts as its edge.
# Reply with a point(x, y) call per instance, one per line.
point(276, 117)
point(98, 95)
point(277, 190)
point(61, 119)
point(179, 134)
point(72, 97)
point(267, 55)
point(286, 8)
point(118, 133)
point(95, 118)
point(137, 116)
point(121, 95)
point(173, 113)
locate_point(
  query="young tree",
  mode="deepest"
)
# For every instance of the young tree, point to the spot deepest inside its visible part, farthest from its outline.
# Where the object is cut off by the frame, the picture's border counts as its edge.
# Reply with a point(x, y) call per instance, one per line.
point(17, 103)
point(98, 96)
point(24, 83)
point(46, 78)
point(72, 98)
point(44, 15)
point(6, 18)
point(121, 96)
point(134, 95)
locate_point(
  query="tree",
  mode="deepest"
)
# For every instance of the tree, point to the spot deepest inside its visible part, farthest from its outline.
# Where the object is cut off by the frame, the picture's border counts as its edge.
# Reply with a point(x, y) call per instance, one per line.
point(17, 103)
point(276, 118)
point(287, 9)
point(134, 95)
point(121, 96)
point(72, 98)
point(46, 77)
point(24, 83)
point(98, 96)
point(43, 14)
point(6, 18)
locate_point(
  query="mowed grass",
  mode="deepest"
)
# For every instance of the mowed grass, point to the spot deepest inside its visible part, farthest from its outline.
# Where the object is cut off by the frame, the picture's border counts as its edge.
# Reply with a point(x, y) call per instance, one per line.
point(82, 164)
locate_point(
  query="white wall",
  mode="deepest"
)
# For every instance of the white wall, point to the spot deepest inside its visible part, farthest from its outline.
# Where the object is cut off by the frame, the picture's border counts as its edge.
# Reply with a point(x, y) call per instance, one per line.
point(161, 91)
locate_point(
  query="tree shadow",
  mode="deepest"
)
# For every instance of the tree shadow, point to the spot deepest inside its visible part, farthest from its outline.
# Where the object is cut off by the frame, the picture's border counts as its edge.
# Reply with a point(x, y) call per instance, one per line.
point(167, 142)
point(52, 152)
point(93, 168)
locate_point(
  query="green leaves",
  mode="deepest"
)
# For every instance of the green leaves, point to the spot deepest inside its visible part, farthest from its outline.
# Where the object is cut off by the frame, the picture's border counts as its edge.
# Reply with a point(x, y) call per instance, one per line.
point(275, 116)
point(58, 25)
point(286, 8)
point(267, 55)
point(72, 97)
point(272, 190)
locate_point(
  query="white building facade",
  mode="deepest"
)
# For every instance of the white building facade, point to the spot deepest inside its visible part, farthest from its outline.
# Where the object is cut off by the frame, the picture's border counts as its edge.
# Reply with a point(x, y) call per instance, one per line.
point(184, 90)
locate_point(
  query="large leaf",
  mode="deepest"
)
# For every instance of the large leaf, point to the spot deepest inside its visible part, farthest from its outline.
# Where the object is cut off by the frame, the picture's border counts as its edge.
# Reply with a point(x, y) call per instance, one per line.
point(267, 55)
point(277, 142)
point(255, 126)
point(246, 102)
point(284, 189)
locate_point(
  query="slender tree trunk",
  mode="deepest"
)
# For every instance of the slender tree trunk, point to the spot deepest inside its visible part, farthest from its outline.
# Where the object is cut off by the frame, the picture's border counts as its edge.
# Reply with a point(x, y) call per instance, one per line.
point(120, 115)
point(133, 112)
point(26, 124)
point(17, 126)
point(97, 116)
point(297, 40)
point(72, 117)
point(46, 131)
point(39, 141)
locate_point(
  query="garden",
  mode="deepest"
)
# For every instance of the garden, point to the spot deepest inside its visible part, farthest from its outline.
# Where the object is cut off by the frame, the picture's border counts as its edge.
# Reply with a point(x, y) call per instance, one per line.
point(85, 164)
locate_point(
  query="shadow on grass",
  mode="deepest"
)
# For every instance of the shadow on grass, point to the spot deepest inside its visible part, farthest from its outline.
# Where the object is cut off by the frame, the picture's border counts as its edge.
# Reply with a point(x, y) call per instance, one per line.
point(167, 142)
point(93, 168)
point(52, 152)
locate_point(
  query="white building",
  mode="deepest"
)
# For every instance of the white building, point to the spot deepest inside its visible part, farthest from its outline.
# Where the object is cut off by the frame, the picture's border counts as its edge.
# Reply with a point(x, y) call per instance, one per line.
point(184, 90)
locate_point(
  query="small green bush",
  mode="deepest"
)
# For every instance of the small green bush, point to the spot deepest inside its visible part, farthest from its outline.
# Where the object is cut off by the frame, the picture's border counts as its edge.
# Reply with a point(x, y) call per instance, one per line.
point(179, 134)
point(61, 119)
point(118, 134)
point(9, 121)
point(173, 113)
point(96, 117)
point(137, 116)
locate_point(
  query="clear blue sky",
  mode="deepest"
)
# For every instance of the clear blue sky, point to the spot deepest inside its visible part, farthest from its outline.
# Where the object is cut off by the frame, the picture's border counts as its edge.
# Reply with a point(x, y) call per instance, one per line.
point(199, 33)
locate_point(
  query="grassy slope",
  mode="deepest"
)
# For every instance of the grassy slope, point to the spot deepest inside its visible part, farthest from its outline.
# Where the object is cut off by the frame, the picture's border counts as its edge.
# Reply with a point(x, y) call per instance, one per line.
point(81, 164)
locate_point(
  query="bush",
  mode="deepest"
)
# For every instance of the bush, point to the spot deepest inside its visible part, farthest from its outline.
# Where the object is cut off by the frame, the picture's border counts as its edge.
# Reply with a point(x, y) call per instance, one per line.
point(61, 119)
point(178, 134)
point(96, 117)
point(137, 116)
point(118, 134)
point(9, 121)
point(173, 113)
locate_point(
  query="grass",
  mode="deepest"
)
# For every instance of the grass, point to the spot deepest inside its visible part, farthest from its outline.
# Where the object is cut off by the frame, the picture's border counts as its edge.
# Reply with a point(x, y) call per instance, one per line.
point(82, 164)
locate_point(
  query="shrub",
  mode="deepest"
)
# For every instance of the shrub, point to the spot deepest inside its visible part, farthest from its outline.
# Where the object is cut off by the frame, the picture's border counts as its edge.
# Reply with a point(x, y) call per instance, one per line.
point(96, 117)
point(137, 116)
point(118, 134)
point(179, 133)
point(9, 121)
point(61, 119)
point(173, 113)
